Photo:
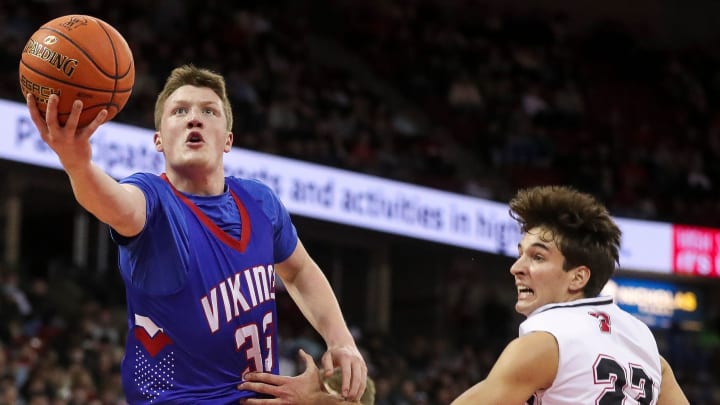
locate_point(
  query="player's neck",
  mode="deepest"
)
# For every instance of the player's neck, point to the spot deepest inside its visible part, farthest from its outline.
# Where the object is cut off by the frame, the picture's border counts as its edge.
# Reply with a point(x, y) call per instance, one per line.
point(198, 184)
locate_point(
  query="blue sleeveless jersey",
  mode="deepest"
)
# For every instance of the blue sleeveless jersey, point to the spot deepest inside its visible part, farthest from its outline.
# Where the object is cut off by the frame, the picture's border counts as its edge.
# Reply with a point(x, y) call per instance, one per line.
point(200, 287)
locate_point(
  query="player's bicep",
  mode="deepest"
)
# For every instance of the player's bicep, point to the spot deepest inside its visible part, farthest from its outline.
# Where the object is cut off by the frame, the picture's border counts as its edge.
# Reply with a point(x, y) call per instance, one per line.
point(528, 364)
point(132, 220)
point(290, 268)
point(670, 391)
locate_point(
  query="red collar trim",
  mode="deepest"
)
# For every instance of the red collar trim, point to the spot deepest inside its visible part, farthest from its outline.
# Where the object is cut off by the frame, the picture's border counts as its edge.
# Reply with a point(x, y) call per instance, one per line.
point(245, 229)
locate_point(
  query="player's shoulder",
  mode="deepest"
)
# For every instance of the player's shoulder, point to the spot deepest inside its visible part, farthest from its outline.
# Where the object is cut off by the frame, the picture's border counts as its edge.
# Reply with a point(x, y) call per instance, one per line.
point(142, 175)
point(554, 318)
point(547, 320)
point(253, 187)
point(141, 179)
point(250, 184)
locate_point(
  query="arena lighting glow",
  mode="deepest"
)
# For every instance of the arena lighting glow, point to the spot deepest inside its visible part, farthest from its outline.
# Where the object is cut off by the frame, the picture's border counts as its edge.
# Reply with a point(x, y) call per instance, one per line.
point(343, 197)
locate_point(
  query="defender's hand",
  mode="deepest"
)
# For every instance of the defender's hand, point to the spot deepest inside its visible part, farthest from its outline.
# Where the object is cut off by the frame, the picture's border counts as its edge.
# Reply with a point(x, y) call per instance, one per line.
point(300, 390)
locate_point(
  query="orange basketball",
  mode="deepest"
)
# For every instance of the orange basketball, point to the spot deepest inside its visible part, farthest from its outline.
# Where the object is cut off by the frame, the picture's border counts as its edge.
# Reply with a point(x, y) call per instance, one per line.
point(78, 57)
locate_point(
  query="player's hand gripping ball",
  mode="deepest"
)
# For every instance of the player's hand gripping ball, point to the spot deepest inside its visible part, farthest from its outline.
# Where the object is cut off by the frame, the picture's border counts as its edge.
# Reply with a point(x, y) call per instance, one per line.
point(78, 57)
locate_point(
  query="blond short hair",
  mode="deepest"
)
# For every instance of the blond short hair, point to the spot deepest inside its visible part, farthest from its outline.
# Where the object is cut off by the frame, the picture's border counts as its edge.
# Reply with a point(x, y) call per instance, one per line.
point(193, 76)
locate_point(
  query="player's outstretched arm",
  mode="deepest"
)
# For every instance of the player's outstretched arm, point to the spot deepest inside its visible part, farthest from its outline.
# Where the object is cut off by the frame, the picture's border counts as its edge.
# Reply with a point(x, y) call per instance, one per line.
point(528, 363)
point(311, 291)
point(120, 206)
point(670, 391)
point(303, 389)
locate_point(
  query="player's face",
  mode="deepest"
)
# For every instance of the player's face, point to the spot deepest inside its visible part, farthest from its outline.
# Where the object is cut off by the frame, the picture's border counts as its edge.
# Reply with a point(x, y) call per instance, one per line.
point(193, 131)
point(538, 271)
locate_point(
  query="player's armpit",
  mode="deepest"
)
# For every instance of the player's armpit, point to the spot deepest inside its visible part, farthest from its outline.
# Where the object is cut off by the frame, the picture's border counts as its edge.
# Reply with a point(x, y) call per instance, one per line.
point(528, 364)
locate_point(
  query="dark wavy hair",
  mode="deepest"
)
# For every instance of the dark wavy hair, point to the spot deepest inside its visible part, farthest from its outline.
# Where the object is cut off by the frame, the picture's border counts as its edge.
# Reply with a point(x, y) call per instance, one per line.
point(579, 225)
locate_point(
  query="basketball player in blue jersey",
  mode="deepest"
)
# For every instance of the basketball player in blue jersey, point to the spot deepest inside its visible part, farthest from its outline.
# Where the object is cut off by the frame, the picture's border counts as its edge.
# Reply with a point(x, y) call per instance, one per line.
point(574, 347)
point(199, 254)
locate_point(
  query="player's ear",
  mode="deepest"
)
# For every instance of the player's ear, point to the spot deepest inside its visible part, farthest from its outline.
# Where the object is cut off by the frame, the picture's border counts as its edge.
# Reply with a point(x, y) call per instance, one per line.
point(158, 142)
point(579, 278)
point(228, 142)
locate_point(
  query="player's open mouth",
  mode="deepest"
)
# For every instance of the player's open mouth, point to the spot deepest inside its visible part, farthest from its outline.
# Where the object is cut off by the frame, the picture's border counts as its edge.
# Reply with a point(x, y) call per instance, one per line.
point(524, 292)
point(194, 137)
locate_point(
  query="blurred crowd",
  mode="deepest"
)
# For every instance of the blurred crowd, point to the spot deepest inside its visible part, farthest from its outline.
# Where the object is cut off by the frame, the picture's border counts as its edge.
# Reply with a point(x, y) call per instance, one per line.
point(451, 95)
point(62, 343)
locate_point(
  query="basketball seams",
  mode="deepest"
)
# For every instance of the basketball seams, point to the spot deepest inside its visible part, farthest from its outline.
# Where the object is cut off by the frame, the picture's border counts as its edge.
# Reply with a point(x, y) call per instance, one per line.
point(98, 107)
point(112, 36)
point(111, 39)
point(96, 45)
point(115, 60)
point(71, 83)
point(87, 55)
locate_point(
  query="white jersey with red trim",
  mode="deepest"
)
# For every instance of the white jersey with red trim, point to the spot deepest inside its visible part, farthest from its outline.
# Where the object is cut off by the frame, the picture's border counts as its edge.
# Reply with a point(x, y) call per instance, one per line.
point(607, 356)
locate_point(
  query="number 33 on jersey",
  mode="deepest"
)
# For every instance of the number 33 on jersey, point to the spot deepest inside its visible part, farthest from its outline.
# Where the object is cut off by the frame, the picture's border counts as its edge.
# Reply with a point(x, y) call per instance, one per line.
point(607, 356)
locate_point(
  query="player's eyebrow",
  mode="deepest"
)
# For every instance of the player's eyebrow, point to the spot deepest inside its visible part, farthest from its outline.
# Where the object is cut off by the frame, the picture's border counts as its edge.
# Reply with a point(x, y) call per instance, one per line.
point(203, 103)
point(534, 244)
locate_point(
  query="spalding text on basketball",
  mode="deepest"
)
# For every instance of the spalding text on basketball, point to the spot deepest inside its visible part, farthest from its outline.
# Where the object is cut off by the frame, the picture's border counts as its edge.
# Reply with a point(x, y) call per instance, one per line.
point(61, 62)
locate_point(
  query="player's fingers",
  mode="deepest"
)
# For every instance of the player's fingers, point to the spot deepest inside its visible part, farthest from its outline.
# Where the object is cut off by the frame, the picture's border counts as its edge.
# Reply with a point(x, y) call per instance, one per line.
point(309, 361)
point(266, 378)
point(260, 388)
point(357, 382)
point(260, 401)
point(36, 116)
point(51, 111)
point(327, 364)
point(72, 122)
point(346, 368)
point(94, 124)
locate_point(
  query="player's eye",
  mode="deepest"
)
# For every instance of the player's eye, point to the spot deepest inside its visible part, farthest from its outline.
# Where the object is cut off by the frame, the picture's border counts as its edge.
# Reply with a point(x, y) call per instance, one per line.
point(209, 111)
point(180, 110)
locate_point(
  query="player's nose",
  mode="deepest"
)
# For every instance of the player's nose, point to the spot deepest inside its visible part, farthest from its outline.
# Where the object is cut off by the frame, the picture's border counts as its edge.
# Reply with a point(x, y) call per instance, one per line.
point(518, 267)
point(194, 119)
point(194, 123)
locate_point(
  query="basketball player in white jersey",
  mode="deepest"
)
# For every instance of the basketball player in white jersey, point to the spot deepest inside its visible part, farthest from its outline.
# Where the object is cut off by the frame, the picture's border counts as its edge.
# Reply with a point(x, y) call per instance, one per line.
point(574, 347)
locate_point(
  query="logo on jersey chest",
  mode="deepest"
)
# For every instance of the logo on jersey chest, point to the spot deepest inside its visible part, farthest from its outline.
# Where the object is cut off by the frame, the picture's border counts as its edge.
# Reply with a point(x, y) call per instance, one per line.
point(238, 294)
point(604, 321)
